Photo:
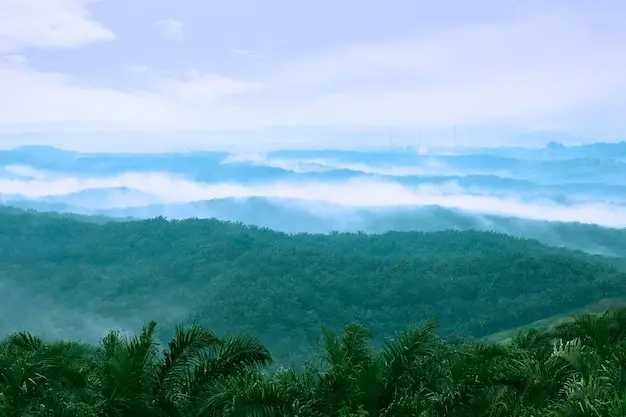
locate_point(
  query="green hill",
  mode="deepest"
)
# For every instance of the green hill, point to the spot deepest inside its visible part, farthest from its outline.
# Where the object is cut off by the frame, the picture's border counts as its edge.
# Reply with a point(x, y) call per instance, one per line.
point(548, 324)
point(71, 278)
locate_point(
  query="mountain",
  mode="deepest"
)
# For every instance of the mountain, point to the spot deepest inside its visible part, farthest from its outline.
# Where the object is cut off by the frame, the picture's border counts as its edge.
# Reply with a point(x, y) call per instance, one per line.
point(296, 216)
point(101, 198)
point(73, 278)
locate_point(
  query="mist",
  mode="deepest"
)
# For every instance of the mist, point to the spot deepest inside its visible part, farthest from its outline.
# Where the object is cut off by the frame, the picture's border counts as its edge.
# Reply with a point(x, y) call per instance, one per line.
point(570, 197)
point(336, 186)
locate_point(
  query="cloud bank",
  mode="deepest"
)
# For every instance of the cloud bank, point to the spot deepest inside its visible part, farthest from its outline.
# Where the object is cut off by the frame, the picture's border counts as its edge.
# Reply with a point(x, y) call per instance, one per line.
point(168, 189)
point(557, 66)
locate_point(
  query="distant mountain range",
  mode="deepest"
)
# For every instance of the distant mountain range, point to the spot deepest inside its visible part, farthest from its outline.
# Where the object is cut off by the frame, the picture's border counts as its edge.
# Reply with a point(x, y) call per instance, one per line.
point(505, 189)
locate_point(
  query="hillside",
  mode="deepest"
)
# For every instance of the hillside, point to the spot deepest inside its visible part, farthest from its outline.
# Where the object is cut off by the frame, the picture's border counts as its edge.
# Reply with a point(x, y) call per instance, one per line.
point(298, 216)
point(77, 279)
point(548, 324)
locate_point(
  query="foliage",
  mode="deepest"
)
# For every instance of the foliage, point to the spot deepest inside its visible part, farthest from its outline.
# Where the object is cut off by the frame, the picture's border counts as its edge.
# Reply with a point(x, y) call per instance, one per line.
point(83, 278)
point(576, 370)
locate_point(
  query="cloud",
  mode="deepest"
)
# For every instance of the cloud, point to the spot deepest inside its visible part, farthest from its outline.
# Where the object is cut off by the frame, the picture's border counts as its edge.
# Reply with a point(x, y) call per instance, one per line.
point(196, 87)
point(358, 192)
point(524, 70)
point(172, 29)
point(33, 97)
point(47, 97)
point(47, 24)
point(26, 171)
point(556, 68)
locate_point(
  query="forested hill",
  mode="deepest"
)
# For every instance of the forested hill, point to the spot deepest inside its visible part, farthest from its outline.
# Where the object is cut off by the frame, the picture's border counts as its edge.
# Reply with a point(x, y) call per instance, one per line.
point(71, 278)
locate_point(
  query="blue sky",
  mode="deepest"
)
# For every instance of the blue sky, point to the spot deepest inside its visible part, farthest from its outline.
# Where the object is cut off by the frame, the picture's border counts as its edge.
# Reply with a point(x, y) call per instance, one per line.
point(192, 73)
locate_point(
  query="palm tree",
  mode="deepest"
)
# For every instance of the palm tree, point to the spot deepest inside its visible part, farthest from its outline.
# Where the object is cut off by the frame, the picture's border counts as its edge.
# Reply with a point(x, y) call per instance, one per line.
point(125, 374)
point(37, 377)
point(134, 380)
point(569, 371)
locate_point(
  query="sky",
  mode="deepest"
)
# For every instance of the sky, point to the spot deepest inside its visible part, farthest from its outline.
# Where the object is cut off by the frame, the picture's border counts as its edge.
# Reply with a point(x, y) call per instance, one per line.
point(161, 74)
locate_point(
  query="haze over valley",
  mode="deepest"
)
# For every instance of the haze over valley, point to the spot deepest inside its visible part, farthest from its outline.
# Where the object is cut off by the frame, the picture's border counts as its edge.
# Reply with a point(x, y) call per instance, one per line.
point(312, 209)
point(555, 194)
point(564, 197)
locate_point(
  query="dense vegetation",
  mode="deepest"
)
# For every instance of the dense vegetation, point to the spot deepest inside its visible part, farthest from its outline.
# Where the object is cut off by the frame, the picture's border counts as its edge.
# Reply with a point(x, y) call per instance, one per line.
point(70, 278)
point(291, 217)
point(576, 370)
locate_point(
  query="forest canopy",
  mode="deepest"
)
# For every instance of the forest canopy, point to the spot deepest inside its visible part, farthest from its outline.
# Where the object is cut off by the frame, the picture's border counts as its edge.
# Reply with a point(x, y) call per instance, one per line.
point(70, 278)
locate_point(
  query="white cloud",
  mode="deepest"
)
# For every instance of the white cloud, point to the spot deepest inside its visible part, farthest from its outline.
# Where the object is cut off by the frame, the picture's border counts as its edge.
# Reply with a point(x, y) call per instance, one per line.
point(41, 97)
point(172, 29)
point(46, 24)
point(26, 171)
point(519, 71)
point(171, 189)
point(542, 41)
point(544, 69)
point(196, 87)
point(35, 97)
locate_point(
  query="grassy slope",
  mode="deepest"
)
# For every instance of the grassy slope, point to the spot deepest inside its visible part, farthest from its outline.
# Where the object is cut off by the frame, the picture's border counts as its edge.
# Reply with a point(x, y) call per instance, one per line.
point(81, 277)
point(551, 322)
